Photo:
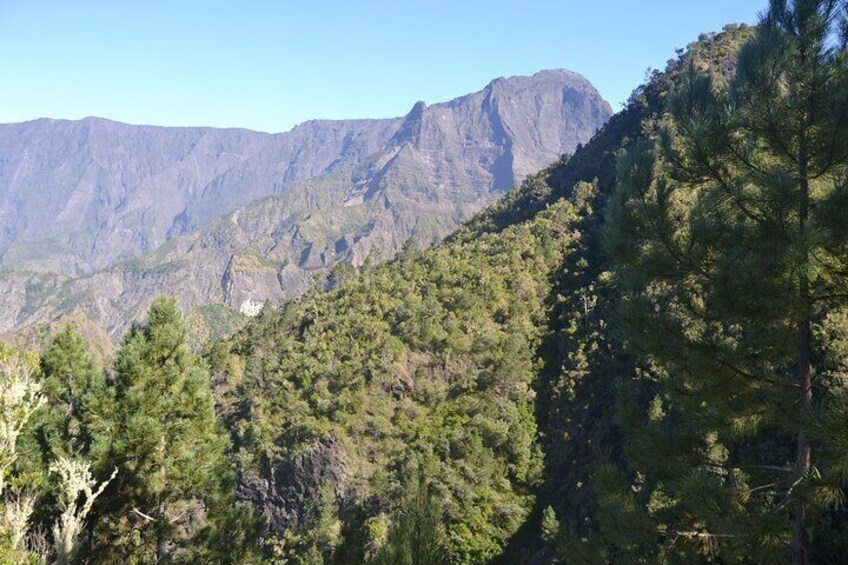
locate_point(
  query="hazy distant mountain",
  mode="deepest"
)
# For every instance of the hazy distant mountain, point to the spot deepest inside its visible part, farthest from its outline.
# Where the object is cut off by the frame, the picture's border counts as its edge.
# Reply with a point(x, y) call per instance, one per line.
point(236, 217)
point(75, 196)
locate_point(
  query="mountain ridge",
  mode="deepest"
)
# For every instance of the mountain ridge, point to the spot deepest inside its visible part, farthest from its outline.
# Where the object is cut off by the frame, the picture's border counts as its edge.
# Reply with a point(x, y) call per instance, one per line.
point(100, 190)
point(302, 200)
point(539, 73)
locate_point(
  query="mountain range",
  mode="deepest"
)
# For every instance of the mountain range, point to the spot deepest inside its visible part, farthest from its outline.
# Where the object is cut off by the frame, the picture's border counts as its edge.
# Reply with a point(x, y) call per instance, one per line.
point(637, 355)
point(98, 216)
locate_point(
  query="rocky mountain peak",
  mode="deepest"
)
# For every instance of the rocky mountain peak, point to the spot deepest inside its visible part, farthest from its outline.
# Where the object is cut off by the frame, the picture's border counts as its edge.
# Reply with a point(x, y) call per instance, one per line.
point(411, 127)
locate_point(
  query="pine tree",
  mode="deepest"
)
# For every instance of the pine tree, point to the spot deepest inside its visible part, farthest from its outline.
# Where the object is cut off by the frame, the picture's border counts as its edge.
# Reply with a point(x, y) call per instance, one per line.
point(167, 444)
point(77, 416)
point(731, 241)
point(417, 535)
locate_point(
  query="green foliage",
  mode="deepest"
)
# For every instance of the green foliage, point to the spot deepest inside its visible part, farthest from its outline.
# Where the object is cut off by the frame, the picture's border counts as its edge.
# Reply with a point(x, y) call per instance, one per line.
point(232, 536)
point(728, 255)
point(550, 525)
point(20, 398)
point(398, 364)
point(212, 323)
point(166, 444)
point(564, 407)
point(417, 534)
point(121, 469)
point(309, 546)
point(78, 403)
point(583, 358)
point(426, 363)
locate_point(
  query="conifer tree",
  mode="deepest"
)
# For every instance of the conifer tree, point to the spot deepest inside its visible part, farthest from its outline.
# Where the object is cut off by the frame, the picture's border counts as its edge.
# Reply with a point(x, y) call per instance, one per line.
point(167, 444)
point(417, 536)
point(730, 233)
point(77, 414)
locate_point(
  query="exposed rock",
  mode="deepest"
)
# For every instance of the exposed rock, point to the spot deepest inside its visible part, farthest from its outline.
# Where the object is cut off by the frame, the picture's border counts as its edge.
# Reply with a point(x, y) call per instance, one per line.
point(249, 281)
point(76, 196)
point(286, 492)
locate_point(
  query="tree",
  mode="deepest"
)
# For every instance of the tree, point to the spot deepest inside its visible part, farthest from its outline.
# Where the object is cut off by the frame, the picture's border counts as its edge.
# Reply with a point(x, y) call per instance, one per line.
point(66, 439)
point(78, 492)
point(417, 536)
point(20, 397)
point(167, 444)
point(77, 414)
point(731, 244)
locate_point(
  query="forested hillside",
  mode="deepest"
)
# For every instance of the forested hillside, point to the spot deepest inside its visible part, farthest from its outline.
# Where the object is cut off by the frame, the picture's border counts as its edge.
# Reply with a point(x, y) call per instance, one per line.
point(419, 370)
point(637, 356)
point(323, 387)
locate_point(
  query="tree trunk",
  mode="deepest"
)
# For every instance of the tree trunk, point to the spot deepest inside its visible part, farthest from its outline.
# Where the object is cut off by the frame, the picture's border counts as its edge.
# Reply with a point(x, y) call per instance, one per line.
point(161, 538)
point(805, 377)
point(803, 463)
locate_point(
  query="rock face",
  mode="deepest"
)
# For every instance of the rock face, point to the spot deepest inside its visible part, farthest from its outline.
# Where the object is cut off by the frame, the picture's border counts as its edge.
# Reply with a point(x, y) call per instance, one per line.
point(75, 196)
point(248, 278)
point(289, 489)
point(240, 218)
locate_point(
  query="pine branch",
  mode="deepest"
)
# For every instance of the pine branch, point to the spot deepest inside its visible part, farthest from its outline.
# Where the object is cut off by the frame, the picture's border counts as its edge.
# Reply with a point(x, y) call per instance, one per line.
point(700, 535)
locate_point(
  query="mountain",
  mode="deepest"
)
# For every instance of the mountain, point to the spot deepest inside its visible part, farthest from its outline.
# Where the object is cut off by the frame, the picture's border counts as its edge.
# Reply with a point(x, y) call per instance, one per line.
point(627, 359)
point(486, 368)
point(238, 218)
point(76, 196)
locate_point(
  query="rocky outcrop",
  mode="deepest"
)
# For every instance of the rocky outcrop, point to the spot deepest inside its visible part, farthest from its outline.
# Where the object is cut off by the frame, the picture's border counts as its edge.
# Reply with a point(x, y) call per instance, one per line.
point(249, 281)
point(286, 492)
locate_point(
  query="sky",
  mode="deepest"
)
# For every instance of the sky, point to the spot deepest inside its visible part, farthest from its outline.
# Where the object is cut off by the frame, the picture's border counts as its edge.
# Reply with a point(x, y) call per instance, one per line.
point(268, 65)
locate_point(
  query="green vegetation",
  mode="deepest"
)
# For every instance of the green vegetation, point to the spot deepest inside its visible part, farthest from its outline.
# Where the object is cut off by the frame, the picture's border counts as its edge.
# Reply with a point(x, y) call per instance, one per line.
point(638, 356)
point(212, 323)
point(730, 237)
point(165, 442)
point(424, 365)
point(416, 535)
point(78, 402)
point(250, 260)
point(127, 467)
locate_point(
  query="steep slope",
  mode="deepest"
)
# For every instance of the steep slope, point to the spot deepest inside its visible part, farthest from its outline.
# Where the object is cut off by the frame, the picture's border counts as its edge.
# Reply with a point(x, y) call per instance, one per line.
point(422, 366)
point(585, 362)
point(341, 402)
point(77, 196)
point(442, 164)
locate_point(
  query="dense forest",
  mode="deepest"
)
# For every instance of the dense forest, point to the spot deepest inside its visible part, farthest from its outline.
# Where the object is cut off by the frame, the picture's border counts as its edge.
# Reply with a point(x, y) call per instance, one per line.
point(640, 355)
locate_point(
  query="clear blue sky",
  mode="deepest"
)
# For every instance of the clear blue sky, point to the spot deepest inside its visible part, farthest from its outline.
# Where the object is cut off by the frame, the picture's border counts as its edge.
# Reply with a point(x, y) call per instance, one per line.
point(267, 65)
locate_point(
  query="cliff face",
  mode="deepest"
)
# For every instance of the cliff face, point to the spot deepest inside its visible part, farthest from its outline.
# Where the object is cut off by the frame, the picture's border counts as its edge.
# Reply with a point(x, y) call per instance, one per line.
point(76, 196)
point(262, 220)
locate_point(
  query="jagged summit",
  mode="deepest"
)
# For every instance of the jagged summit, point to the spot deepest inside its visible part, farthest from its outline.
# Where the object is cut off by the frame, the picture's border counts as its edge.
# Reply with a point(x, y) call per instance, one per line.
point(412, 123)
